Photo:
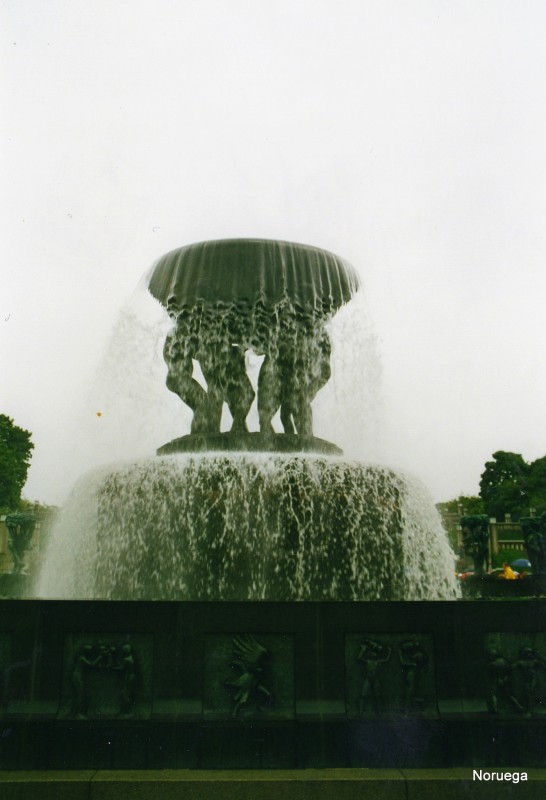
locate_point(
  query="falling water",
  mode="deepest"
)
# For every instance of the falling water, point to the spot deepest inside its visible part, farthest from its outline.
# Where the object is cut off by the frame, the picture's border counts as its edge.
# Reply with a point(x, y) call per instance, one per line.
point(249, 527)
point(240, 525)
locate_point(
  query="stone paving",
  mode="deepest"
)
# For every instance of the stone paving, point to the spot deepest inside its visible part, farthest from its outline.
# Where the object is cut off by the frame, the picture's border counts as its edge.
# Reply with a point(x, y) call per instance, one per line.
point(341, 784)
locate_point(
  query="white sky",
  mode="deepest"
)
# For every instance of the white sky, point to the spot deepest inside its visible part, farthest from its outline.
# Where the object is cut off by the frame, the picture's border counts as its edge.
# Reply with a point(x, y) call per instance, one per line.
point(408, 136)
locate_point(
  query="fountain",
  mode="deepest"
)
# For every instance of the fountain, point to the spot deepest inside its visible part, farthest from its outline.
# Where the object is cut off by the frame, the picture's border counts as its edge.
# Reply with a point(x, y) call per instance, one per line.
point(242, 515)
point(347, 667)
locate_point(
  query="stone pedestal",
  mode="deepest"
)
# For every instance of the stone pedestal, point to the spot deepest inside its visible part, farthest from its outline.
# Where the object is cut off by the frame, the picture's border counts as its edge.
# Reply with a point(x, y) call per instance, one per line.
point(271, 686)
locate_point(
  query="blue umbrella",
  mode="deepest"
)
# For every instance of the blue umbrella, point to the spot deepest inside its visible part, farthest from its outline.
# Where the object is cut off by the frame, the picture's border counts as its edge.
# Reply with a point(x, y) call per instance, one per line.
point(521, 563)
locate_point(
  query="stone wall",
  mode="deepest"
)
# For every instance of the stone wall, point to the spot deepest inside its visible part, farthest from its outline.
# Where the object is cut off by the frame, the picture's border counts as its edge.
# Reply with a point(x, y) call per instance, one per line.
point(120, 685)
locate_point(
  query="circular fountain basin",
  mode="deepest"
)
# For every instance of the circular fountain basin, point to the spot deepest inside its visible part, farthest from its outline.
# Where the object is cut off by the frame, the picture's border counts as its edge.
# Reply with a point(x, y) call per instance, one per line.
point(248, 526)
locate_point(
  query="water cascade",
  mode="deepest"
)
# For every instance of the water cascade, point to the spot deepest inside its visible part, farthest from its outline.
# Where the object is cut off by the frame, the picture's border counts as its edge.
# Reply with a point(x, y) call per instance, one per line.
point(241, 515)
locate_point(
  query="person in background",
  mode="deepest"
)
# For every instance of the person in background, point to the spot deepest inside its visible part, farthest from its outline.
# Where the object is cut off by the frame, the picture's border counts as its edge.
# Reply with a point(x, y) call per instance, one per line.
point(507, 572)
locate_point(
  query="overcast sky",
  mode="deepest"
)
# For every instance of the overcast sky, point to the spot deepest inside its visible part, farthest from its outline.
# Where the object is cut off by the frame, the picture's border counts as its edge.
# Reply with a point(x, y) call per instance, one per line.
point(408, 136)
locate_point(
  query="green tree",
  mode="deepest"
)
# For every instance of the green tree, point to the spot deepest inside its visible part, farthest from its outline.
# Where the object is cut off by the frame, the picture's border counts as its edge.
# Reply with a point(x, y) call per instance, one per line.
point(15, 454)
point(536, 487)
point(504, 485)
point(464, 504)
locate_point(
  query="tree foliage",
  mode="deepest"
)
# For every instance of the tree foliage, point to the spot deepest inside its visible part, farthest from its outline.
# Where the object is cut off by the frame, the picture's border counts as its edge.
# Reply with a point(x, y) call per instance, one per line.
point(464, 504)
point(536, 486)
point(510, 485)
point(15, 454)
